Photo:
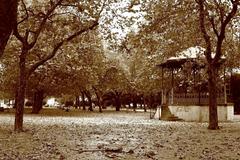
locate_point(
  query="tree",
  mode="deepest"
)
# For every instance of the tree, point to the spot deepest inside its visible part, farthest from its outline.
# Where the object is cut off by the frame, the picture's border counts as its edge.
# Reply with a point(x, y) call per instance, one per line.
point(116, 83)
point(37, 89)
point(218, 14)
point(86, 66)
point(8, 19)
point(39, 21)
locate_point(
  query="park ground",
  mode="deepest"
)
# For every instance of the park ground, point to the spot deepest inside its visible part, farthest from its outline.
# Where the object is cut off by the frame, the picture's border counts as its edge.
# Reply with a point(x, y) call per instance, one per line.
point(56, 134)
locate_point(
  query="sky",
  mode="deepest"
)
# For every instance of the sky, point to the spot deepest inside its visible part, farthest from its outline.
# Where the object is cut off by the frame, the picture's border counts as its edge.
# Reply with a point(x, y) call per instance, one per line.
point(121, 20)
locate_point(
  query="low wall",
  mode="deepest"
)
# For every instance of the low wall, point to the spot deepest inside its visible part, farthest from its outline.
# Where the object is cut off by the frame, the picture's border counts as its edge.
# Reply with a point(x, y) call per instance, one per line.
point(201, 113)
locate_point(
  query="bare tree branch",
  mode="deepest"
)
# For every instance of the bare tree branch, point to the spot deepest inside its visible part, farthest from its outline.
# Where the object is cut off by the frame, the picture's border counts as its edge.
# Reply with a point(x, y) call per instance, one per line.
point(26, 11)
point(63, 13)
point(211, 19)
point(219, 9)
point(38, 31)
point(68, 5)
point(17, 34)
point(204, 31)
point(221, 37)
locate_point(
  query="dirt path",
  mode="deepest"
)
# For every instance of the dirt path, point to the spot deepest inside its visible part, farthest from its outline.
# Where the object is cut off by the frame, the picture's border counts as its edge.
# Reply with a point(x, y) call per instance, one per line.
point(116, 136)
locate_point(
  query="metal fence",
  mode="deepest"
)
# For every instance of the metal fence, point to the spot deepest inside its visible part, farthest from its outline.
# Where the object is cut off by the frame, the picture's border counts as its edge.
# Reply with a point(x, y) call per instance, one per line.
point(195, 99)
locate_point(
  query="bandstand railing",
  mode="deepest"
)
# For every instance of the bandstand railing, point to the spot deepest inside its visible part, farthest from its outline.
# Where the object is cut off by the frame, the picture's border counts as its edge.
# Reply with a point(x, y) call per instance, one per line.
point(195, 99)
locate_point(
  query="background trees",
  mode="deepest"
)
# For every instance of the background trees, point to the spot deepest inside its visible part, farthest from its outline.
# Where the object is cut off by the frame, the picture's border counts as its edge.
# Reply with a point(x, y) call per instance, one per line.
point(116, 84)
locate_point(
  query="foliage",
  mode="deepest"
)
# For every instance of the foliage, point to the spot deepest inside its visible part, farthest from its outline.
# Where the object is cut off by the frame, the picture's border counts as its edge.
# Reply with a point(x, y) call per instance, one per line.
point(75, 71)
point(55, 22)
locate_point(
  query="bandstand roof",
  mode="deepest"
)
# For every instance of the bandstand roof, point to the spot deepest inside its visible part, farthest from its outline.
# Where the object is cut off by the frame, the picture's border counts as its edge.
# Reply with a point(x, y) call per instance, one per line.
point(188, 55)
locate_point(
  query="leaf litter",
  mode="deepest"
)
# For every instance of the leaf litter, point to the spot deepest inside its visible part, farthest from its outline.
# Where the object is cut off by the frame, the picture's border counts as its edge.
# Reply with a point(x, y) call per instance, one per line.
point(122, 135)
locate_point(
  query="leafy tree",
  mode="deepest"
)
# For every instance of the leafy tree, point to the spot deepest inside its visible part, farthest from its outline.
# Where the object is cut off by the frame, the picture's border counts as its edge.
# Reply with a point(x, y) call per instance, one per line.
point(116, 84)
point(142, 64)
point(55, 22)
point(218, 15)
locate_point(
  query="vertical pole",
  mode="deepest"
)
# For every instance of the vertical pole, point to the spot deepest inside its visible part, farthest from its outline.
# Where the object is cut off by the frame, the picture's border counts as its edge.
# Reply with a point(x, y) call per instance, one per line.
point(194, 79)
point(225, 87)
point(172, 87)
point(162, 94)
point(199, 86)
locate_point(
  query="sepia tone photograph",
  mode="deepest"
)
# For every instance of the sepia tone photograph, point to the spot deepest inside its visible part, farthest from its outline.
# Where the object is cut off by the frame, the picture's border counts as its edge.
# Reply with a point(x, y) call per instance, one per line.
point(119, 79)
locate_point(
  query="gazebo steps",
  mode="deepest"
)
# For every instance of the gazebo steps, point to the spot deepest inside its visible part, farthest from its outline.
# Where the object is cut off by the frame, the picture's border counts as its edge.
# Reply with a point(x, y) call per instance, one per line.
point(171, 118)
point(166, 114)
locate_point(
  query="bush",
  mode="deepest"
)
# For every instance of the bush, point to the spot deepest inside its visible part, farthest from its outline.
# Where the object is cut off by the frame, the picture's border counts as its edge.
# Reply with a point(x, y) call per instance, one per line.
point(29, 103)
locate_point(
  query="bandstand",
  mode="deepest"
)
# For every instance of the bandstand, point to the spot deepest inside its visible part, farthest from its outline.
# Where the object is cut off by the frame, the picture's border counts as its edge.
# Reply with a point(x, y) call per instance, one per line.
point(184, 89)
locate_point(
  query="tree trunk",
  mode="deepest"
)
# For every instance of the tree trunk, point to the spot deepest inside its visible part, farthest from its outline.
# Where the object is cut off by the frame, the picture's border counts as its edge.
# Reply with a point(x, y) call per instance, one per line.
point(151, 100)
point(8, 18)
point(134, 103)
point(212, 84)
point(144, 104)
point(219, 30)
point(118, 101)
point(77, 102)
point(99, 104)
point(118, 104)
point(37, 101)
point(99, 101)
point(88, 95)
point(144, 107)
point(83, 101)
point(18, 125)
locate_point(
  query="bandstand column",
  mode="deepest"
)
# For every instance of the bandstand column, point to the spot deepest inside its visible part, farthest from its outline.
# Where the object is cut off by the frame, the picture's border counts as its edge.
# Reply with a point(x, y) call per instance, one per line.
point(171, 100)
point(225, 87)
point(163, 101)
